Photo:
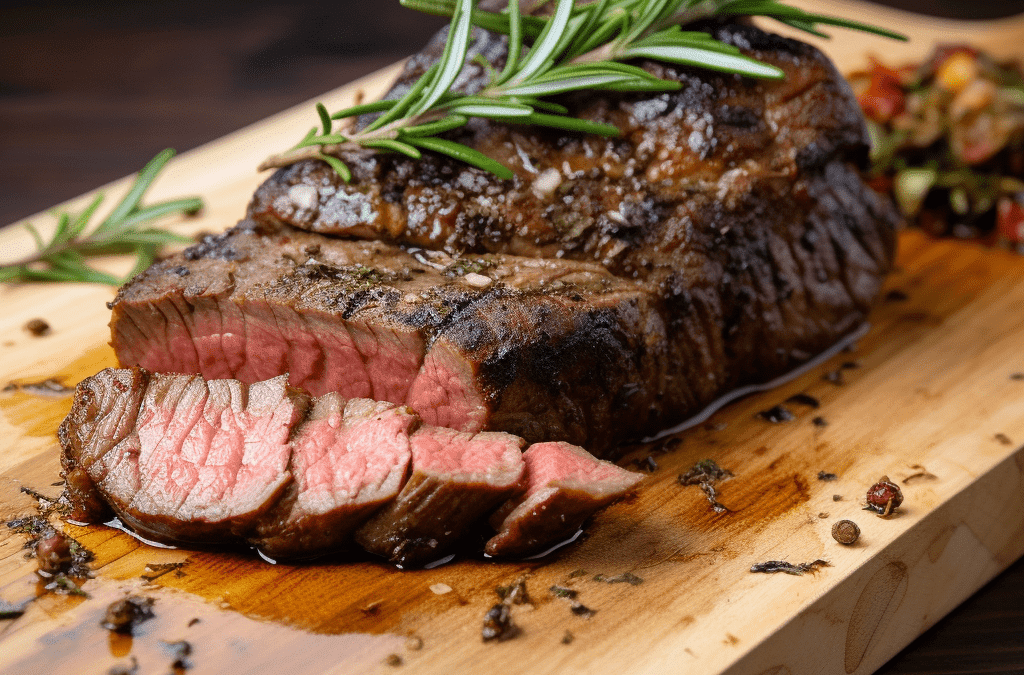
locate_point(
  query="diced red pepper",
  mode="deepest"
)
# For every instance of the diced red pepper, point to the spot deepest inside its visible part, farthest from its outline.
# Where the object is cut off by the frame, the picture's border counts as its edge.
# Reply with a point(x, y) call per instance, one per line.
point(881, 184)
point(884, 97)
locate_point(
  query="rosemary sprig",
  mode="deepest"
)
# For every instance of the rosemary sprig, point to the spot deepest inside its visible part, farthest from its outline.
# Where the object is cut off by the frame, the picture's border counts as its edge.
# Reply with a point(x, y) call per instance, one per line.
point(576, 48)
point(63, 257)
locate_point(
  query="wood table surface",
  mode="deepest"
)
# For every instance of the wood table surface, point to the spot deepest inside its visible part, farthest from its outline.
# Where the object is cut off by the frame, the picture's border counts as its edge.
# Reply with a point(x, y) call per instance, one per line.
point(90, 91)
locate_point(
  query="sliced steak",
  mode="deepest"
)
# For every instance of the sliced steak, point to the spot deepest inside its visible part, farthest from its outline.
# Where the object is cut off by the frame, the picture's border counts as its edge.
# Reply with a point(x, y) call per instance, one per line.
point(350, 458)
point(612, 288)
point(457, 480)
point(189, 460)
point(182, 459)
point(564, 486)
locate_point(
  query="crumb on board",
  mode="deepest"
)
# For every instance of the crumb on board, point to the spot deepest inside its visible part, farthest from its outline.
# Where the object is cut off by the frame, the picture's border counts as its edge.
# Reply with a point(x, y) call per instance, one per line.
point(37, 327)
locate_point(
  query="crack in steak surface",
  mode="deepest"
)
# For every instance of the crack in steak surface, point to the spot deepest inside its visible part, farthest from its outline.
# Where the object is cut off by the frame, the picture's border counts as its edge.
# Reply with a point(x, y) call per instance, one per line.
point(182, 459)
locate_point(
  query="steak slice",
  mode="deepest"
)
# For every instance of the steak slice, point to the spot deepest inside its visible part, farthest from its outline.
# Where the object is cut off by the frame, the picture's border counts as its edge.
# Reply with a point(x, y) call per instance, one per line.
point(457, 480)
point(565, 485)
point(349, 459)
point(179, 458)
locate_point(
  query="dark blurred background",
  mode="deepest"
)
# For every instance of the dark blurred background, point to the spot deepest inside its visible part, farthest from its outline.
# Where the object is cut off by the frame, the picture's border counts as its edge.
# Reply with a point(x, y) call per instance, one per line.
point(89, 91)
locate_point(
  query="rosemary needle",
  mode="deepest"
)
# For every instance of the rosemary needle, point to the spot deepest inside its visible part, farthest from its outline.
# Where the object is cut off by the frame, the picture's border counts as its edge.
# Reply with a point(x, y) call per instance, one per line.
point(125, 230)
point(579, 47)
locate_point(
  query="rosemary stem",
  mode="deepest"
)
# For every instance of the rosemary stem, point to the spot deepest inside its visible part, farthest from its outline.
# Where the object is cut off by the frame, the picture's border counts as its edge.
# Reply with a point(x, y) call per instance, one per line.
point(605, 52)
point(41, 255)
point(355, 141)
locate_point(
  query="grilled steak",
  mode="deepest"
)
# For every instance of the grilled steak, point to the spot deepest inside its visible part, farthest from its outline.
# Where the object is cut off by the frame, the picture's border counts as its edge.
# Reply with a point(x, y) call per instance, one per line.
point(564, 486)
point(182, 459)
point(457, 479)
point(612, 288)
point(720, 163)
point(543, 348)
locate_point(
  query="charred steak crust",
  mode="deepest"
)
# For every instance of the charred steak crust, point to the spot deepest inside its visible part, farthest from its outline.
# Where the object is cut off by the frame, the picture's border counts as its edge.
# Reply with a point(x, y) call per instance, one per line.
point(183, 459)
point(102, 418)
point(687, 163)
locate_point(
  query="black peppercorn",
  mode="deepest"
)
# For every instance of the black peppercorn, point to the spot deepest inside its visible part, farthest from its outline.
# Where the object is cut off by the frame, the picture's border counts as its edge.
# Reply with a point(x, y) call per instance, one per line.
point(845, 532)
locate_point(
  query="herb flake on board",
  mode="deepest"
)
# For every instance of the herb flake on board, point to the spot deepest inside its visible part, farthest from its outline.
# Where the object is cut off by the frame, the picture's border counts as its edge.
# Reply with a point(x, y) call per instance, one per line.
point(705, 474)
point(775, 566)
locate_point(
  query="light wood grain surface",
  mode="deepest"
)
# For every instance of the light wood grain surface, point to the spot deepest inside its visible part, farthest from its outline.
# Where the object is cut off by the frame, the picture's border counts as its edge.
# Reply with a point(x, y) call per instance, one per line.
point(932, 389)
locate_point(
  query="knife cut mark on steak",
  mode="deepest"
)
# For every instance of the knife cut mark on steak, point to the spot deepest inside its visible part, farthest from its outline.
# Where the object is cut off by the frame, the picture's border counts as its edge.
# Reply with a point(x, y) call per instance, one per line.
point(182, 459)
point(565, 485)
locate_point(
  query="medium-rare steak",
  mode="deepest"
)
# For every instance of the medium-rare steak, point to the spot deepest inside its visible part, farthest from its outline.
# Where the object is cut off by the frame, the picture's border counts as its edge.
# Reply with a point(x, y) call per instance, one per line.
point(457, 478)
point(182, 459)
point(349, 458)
point(564, 486)
point(612, 288)
point(164, 450)
point(540, 348)
point(543, 348)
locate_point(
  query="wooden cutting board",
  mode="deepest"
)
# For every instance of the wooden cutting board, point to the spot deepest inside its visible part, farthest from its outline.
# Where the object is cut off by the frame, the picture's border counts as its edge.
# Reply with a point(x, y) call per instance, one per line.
point(929, 396)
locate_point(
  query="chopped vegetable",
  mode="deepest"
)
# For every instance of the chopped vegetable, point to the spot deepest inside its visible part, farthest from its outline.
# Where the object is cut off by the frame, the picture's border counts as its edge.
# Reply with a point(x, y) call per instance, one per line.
point(948, 142)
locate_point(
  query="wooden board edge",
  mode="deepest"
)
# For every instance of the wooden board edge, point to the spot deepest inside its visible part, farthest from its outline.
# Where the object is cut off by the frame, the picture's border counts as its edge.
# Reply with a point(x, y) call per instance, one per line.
point(888, 602)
